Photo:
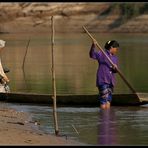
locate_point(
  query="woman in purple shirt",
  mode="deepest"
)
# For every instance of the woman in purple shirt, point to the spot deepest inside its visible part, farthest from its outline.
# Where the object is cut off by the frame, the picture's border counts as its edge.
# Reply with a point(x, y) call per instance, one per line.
point(106, 72)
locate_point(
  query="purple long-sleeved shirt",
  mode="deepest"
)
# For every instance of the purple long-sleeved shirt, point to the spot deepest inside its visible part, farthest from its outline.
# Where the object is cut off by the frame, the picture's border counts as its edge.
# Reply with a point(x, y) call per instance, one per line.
point(105, 72)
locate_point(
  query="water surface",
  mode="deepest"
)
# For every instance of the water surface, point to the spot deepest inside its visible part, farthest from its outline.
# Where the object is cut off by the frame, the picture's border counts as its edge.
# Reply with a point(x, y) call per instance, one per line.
point(75, 71)
point(117, 126)
point(76, 74)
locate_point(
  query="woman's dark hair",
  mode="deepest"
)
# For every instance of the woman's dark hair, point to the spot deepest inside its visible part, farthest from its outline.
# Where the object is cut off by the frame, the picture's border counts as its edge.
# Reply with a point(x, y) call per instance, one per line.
point(110, 44)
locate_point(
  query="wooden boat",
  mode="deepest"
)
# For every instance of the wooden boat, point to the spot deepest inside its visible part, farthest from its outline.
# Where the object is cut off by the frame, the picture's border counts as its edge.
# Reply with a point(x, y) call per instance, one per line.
point(74, 100)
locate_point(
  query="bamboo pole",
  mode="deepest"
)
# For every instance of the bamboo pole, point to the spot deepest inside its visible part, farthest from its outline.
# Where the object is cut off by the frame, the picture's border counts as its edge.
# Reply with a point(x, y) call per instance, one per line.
point(119, 72)
point(53, 79)
point(25, 54)
point(75, 129)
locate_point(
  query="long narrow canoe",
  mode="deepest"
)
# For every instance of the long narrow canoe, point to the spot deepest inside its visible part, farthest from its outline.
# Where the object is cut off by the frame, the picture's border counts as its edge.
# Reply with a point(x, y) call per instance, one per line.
point(73, 100)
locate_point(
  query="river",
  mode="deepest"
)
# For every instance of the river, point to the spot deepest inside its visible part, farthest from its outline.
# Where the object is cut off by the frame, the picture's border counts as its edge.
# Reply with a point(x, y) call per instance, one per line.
point(76, 74)
point(75, 71)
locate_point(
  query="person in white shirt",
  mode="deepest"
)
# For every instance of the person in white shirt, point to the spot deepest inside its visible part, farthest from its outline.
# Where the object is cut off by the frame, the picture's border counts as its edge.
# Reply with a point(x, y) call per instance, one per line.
point(3, 77)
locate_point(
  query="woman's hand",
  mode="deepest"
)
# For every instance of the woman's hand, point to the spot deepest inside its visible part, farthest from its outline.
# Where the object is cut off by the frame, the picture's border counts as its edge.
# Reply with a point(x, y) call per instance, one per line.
point(94, 41)
point(5, 79)
point(115, 67)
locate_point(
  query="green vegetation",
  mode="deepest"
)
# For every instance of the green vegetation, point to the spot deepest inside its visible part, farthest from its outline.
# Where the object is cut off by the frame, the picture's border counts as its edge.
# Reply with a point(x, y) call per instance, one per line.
point(126, 10)
point(130, 10)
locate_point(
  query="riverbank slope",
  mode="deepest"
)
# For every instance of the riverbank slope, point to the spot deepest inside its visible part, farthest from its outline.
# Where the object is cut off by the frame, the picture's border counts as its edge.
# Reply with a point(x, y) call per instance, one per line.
point(70, 17)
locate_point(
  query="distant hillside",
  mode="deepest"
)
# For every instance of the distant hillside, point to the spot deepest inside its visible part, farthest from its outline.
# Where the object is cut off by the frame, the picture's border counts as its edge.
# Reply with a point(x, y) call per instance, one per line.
point(70, 17)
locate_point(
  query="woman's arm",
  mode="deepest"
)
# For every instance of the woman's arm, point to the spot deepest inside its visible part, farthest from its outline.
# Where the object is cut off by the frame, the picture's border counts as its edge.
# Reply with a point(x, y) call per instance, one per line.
point(92, 53)
point(116, 65)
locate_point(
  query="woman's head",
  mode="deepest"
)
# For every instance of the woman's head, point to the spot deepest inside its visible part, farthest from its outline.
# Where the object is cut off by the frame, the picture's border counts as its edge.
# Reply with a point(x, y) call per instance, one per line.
point(112, 46)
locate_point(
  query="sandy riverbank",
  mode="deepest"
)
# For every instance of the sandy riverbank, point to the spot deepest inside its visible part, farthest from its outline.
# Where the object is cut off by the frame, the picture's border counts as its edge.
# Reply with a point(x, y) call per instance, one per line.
point(16, 129)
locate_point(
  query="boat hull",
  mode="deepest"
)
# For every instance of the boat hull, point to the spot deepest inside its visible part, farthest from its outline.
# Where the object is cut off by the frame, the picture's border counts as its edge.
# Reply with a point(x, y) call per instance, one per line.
point(72, 100)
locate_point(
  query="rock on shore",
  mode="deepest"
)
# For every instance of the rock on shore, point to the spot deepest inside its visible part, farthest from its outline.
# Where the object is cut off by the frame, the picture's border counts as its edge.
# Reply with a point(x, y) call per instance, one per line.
point(69, 17)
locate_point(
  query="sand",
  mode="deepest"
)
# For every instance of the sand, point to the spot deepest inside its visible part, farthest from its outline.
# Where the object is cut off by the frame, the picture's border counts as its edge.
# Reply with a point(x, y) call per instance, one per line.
point(16, 128)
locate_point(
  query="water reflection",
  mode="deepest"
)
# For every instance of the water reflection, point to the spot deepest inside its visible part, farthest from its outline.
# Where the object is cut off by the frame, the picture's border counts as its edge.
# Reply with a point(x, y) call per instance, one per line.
point(107, 132)
point(75, 71)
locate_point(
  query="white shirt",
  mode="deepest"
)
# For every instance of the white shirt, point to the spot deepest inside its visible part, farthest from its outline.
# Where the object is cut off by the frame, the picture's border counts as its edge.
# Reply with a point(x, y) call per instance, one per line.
point(2, 86)
point(1, 69)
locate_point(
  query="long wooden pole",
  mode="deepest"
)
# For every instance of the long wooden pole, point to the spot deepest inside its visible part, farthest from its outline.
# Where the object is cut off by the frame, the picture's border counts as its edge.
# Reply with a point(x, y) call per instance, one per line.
point(25, 54)
point(53, 79)
point(119, 72)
